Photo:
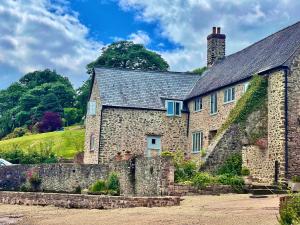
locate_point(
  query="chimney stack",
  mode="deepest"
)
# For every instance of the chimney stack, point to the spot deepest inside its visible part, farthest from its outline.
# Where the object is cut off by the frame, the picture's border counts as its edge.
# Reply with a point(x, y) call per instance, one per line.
point(215, 46)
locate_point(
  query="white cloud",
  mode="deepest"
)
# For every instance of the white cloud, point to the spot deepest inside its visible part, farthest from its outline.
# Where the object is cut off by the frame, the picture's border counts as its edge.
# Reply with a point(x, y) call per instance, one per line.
point(140, 37)
point(188, 22)
point(37, 35)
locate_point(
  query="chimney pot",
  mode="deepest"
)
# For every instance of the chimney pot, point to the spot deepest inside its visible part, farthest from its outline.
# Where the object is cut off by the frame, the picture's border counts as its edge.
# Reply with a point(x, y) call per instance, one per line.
point(219, 30)
point(214, 30)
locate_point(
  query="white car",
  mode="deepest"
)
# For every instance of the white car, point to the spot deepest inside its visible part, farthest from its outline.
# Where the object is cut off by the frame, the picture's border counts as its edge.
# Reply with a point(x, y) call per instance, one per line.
point(3, 162)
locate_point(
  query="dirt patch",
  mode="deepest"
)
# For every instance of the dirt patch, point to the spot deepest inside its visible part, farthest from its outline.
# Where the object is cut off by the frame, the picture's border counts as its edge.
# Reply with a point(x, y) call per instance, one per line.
point(216, 210)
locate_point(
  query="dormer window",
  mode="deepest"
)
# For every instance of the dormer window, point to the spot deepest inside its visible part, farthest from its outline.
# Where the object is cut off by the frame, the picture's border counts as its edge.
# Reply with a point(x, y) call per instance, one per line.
point(198, 104)
point(173, 108)
point(229, 95)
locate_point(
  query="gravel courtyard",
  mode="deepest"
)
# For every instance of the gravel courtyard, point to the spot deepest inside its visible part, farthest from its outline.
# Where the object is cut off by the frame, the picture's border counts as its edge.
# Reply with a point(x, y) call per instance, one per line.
point(224, 209)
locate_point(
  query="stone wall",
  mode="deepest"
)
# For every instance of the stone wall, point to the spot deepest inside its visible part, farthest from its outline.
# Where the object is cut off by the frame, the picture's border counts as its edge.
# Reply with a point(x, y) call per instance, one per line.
point(216, 189)
point(261, 162)
point(55, 177)
point(205, 122)
point(127, 130)
point(294, 118)
point(85, 201)
point(92, 124)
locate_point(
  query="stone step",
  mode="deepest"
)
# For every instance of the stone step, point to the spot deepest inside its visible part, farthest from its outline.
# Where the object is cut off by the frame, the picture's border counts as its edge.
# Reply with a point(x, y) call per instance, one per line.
point(267, 191)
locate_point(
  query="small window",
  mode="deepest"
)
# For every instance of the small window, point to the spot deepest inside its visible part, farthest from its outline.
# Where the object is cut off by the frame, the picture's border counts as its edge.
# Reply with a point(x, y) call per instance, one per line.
point(153, 141)
point(213, 103)
point(229, 95)
point(246, 86)
point(197, 142)
point(173, 108)
point(92, 143)
point(91, 108)
point(198, 104)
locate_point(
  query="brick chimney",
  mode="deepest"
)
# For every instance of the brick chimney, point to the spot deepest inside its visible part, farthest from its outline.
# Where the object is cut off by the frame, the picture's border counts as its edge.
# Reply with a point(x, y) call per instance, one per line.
point(215, 46)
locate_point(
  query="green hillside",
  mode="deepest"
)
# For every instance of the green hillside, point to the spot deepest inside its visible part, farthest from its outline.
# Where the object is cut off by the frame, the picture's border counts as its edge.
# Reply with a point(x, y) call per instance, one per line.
point(63, 143)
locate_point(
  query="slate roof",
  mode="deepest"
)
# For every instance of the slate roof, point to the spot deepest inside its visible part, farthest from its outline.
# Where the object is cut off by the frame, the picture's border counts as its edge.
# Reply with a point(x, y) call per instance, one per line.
point(140, 89)
point(266, 54)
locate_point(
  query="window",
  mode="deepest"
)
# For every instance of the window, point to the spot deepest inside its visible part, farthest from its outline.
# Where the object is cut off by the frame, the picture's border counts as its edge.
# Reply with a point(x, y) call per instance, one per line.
point(198, 104)
point(229, 95)
point(91, 108)
point(246, 86)
point(153, 141)
point(173, 108)
point(197, 142)
point(213, 103)
point(92, 142)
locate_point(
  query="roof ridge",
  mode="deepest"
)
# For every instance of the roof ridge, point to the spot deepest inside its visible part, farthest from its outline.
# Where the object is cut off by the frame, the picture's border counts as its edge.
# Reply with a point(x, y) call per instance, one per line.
point(261, 40)
point(147, 71)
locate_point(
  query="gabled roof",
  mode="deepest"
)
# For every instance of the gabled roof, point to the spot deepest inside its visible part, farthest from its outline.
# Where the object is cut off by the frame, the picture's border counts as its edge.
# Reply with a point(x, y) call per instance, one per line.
point(140, 89)
point(271, 52)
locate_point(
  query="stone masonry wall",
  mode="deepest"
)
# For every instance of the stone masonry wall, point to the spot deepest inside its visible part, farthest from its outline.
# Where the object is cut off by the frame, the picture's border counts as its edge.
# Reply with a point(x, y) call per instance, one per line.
point(55, 177)
point(261, 162)
point(204, 121)
point(294, 118)
point(92, 124)
point(127, 130)
point(85, 201)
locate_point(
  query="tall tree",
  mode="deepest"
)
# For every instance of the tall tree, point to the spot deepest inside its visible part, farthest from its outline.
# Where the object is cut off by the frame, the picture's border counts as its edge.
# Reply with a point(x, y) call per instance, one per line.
point(127, 55)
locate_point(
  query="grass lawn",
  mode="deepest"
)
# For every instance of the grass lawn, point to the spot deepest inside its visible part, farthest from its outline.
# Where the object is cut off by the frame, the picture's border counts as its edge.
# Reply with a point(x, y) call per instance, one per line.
point(63, 143)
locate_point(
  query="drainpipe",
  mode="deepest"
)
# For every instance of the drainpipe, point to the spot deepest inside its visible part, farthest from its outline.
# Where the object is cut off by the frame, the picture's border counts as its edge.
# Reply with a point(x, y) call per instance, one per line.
point(286, 155)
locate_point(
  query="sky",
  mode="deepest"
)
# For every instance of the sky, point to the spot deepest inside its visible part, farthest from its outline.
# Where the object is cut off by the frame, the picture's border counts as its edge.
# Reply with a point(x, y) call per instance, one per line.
point(65, 35)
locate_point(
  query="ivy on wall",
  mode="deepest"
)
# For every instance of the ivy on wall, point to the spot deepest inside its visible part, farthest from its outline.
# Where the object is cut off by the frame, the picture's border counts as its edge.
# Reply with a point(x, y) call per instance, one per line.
point(255, 98)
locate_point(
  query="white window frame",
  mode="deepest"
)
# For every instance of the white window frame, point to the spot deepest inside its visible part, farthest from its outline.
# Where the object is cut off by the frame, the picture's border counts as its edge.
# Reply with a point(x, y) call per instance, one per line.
point(198, 104)
point(92, 143)
point(197, 142)
point(175, 104)
point(246, 86)
point(229, 95)
point(92, 108)
point(213, 103)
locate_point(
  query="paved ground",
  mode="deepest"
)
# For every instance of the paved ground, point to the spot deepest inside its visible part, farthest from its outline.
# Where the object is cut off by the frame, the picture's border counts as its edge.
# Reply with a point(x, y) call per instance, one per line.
point(212, 210)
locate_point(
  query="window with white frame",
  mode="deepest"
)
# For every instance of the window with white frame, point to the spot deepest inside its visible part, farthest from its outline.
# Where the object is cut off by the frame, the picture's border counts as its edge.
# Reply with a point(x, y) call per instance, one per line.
point(197, 142)
point(198, 104)
point(246, 86)
point(173, 108)
point(229, 95)
point(213, 103)
point(92, 143)
point(91, 108)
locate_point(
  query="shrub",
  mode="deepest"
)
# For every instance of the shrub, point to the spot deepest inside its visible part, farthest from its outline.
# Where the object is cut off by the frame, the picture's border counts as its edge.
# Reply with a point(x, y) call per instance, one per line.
point(290, 213)
point(34, 180)
point(167, 154)
point(245, 171)
point(51, 121)
point(236, 182)
point(113, 183)
point(99, 187)
point(296, 179)
point(77, 190)
point(185, 171)
point(232, 166)
point(18, 132)
point(203, 152)
point(201, 180)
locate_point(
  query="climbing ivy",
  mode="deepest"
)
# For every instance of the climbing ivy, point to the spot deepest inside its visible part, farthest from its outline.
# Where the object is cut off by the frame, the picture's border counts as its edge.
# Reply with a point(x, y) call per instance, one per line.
point(254, 98)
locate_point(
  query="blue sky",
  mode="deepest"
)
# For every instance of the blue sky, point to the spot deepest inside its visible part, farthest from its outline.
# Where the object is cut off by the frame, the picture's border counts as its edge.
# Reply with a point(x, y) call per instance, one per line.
point(65, 35)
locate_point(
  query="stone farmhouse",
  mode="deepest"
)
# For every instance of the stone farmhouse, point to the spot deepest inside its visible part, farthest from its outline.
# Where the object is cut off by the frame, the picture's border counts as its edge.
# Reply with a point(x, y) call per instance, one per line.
point(146, 113)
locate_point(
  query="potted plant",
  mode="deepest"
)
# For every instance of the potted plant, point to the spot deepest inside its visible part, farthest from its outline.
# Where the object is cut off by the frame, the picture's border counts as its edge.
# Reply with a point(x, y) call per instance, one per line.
point(294, 184)
point(246, 175)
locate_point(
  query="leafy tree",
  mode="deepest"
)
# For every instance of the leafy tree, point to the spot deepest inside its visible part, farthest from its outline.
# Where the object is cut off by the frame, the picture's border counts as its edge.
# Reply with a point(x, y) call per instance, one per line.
point(71, 115)
point(127, 55)
point(51, 121)
point(83, 96)
point(200, 71)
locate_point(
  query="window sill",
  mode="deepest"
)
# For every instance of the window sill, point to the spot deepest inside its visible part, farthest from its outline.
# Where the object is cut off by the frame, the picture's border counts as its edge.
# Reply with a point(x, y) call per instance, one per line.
point(198, 110)
point(195, 152)
point(213, 114)
point(225, 103)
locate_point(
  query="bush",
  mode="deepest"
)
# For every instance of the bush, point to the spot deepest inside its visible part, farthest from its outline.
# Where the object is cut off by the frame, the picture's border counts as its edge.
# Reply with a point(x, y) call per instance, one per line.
point(201, 180)
point(232, 166)
point(185, 171)
point(51, 121)
point(290, 213)
point(113, 183)
point(167, 154)
point(18, 132)
point(245, 171)
point(203, 152)
point(77, 190)
point(34, 180)
point(99, 187)
point(236, 182)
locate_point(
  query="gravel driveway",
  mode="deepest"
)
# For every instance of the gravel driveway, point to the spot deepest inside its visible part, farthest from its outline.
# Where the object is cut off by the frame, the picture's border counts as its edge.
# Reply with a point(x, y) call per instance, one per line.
point(211, 210)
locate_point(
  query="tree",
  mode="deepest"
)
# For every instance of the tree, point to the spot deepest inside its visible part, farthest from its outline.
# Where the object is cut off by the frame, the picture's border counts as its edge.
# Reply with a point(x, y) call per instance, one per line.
point(83, 96)
point(200, 71)
point(127, 55)
point(71, 116)
point(51, 121)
